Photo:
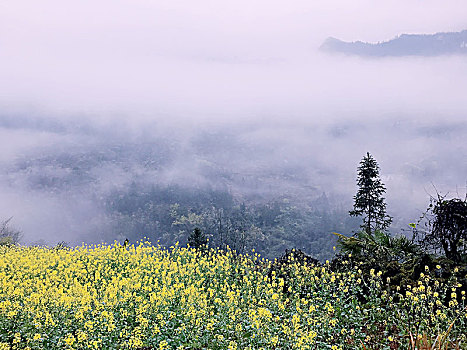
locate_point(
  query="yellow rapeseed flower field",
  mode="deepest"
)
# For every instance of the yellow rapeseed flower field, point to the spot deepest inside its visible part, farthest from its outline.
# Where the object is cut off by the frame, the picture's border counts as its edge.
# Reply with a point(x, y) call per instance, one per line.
point(145, 296)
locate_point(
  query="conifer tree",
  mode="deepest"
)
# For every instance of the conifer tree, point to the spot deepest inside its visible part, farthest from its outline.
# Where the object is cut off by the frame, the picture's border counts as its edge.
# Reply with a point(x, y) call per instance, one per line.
point(197, 239)
point(369, 201)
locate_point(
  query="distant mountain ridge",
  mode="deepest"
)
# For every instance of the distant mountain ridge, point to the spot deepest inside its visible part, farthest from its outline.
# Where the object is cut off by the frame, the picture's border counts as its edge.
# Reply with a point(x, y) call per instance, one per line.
point(449, 43)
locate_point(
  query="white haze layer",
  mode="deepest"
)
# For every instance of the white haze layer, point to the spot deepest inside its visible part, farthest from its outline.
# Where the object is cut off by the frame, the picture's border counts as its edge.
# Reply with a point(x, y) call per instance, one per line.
point(250, 66)
point(222, 60)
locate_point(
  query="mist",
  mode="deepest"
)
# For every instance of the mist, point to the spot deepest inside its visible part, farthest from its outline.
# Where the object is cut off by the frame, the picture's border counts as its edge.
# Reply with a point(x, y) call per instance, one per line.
point(229, 95)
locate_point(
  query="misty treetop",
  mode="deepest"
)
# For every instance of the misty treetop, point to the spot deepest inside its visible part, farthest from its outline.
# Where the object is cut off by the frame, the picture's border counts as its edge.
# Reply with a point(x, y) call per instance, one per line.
point(253, 164)
point(369, 201)
point(171, 214)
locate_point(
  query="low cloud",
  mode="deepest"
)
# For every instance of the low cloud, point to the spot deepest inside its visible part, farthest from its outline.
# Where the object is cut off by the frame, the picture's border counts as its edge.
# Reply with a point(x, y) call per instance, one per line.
point(220, 90)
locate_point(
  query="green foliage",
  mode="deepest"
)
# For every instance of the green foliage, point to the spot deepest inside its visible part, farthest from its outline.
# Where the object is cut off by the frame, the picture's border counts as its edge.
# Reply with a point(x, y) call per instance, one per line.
point(170, 214)
point(400, 260)
point(449, 227)
point(379, 246)
point(6, 241)
point(369, 200)
point(198, 239)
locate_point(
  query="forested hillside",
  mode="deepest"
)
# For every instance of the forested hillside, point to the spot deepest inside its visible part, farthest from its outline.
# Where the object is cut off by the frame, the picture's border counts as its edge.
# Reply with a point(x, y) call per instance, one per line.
point(451, 43)
point(248, 186)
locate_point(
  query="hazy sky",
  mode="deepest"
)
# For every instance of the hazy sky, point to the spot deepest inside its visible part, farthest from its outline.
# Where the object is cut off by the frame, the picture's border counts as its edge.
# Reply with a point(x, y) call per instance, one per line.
point(239, 59)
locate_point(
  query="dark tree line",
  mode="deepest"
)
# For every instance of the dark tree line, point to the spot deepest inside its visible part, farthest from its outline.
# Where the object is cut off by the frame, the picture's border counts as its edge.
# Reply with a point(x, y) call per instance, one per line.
point(170, 214)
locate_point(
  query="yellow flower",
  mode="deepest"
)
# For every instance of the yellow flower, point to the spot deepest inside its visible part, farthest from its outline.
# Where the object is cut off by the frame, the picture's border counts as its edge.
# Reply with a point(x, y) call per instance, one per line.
point(274, 340)
point(163, 345)
point(81, 336)
point(17, 338)
point(70, 339)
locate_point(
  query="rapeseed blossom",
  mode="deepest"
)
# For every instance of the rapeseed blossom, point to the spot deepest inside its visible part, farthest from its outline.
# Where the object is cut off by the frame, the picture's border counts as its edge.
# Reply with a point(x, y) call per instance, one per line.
point(131, 297)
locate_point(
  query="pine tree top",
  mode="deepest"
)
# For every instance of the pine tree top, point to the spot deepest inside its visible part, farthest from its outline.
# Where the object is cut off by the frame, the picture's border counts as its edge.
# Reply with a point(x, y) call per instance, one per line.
point(369, 200)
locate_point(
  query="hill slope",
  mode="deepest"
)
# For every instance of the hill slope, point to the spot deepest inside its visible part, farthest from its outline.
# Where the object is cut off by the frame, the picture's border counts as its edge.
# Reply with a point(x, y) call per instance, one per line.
point(403, 45)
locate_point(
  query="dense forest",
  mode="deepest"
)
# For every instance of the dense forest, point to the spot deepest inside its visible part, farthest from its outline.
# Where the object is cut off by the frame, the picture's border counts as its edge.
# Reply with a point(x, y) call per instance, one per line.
point(170, 214)
point(248, 186)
